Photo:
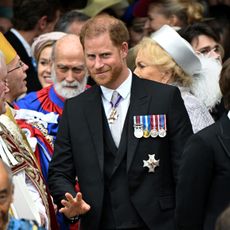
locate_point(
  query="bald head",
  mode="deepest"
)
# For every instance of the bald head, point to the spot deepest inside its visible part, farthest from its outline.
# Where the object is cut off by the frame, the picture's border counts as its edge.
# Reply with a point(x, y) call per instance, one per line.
point(69, 46)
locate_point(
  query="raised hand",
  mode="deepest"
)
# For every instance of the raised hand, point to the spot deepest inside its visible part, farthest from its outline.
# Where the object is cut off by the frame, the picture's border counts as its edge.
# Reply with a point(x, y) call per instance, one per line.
point(74, 206)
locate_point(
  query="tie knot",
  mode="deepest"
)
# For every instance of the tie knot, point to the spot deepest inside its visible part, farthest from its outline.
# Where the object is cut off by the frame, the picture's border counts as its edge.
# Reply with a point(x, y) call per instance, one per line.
point(116, 97)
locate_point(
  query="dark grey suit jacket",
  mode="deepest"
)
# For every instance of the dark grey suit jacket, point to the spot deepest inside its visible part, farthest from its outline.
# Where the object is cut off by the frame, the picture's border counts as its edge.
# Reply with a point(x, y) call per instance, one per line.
point(79, 151)
point(204, 179)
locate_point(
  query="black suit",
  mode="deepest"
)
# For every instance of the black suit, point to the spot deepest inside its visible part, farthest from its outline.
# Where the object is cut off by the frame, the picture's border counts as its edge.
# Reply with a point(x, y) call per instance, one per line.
point(204, 179)
point(80, 150)
point(33, 83)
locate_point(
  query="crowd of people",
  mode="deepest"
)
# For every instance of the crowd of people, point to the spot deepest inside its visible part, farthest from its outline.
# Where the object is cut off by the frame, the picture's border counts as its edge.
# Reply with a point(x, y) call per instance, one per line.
point(114, 115)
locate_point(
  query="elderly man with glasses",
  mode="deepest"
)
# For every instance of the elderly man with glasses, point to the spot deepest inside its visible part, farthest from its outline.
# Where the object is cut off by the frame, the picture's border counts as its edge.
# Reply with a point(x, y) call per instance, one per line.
point(31, 197)
point(16, 77)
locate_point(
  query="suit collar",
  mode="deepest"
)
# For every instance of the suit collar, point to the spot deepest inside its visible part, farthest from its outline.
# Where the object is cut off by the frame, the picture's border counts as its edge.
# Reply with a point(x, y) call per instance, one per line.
point(224, 125)
point(93, 114)
point(124, 89)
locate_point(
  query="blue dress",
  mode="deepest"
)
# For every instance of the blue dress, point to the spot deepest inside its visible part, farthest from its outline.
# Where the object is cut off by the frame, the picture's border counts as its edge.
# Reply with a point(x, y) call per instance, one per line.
point(21, 224)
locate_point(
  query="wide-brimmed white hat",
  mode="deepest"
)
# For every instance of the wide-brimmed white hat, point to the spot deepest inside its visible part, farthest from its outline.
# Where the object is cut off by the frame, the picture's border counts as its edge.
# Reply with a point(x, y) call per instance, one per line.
point(178, 48)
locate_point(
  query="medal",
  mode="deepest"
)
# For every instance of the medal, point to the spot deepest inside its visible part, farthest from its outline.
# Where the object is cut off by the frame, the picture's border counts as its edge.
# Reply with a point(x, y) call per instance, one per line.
point(138, 132)
point(154, 126)
point(151, 163)
point(154, 133)
point(138, 127)
point(162, 133)
point(113, 116)
point(115, 100)
point(146, 133)
point(146, 126)
point(162, 129)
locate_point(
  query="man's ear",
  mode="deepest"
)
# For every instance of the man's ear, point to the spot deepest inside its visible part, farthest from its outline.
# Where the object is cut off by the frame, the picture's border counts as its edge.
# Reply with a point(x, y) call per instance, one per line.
point(42, 23)
point(124, 49)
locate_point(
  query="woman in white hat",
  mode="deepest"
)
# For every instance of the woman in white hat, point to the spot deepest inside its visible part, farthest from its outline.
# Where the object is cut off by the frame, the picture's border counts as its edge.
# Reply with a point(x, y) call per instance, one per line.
point(168, 58)
point(41, 50)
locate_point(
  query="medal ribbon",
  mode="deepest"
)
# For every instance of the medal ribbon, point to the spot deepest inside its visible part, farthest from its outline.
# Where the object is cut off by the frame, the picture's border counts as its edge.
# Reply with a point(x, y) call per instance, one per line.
point(116, 98)
point(158, 122)
point(137, 121)
point(163, 121)
point(148, 122)
point(154, 122)
point(144, 119)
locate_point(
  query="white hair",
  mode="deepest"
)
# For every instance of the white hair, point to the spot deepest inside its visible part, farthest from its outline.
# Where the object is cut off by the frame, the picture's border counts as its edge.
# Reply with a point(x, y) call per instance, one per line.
point(3, 67)
point(205, 85)
point(60, 87)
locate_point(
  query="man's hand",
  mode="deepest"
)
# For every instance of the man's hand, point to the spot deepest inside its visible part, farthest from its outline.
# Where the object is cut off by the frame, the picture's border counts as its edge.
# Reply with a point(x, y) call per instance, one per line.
point(74, 206)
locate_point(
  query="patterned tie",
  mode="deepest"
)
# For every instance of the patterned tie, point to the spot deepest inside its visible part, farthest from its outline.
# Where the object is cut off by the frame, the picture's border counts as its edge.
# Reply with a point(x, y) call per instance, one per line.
point(114, 118)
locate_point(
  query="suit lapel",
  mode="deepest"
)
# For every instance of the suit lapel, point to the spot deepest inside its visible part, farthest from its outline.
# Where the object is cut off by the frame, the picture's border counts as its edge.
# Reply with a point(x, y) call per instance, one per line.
point(224, 135)
point(139, 102)
point(93, 113)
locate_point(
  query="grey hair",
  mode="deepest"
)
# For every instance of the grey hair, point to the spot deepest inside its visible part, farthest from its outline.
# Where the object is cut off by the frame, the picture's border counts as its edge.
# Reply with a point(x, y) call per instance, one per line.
point(68, 18)
point(52, 57)
point(3, 68)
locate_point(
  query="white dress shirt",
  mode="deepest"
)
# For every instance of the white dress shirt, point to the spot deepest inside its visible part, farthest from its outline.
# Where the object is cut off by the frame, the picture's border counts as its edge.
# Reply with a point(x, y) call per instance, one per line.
point(124, 90)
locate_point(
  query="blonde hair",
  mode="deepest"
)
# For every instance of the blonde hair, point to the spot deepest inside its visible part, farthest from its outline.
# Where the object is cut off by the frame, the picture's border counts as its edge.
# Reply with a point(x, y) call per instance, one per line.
point(187, 11)
point(157, 56)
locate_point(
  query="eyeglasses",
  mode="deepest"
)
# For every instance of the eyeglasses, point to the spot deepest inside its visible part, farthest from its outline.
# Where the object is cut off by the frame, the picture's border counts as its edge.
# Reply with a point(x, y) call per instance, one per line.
point(208, 50)
point(20, 64)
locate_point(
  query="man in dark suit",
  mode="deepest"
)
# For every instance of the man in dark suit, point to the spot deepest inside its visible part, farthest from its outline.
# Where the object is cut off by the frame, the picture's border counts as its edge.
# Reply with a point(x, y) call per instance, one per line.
point(124, 154)
point(30, 19)
point(203, 185)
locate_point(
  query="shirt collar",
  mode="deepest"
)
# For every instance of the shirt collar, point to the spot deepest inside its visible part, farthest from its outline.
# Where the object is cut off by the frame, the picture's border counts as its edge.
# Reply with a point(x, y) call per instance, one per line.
point(22, 40)
point(124, 89)
point(229, 114)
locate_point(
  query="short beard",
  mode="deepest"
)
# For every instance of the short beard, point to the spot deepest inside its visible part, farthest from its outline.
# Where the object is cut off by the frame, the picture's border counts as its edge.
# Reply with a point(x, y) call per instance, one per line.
point(64, 88)
point(205, 86)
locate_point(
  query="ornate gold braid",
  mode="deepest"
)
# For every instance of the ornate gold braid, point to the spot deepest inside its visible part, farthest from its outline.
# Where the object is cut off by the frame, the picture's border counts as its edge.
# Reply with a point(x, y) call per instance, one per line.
point(24, 158)
point(44, 131)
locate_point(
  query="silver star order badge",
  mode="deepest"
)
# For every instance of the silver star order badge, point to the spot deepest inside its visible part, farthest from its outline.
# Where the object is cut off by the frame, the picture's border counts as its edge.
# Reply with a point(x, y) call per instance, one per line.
point(151, 163)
